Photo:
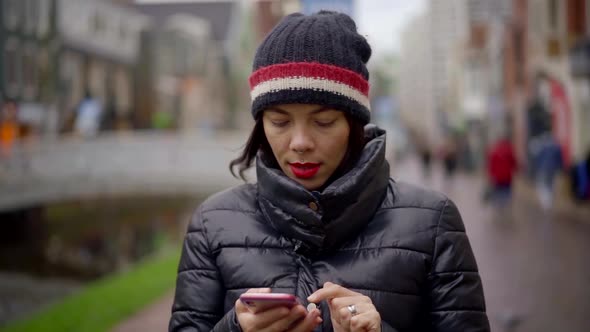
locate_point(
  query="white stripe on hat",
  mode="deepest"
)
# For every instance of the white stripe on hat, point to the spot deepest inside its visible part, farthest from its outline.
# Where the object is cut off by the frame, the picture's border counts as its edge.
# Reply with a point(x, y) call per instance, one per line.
point(301, 83)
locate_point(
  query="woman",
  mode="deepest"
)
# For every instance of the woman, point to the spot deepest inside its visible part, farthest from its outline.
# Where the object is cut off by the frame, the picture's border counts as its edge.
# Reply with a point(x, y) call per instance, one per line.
point(324, 221)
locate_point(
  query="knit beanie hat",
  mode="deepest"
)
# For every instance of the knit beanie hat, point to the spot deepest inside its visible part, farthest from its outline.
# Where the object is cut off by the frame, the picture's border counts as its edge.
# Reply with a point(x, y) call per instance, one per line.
point(315, 59)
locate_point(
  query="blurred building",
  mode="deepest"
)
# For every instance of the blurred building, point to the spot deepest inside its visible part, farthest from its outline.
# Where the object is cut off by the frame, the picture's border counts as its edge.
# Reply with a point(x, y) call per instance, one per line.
point(548, 60)
point(516, 77)
point(416, 86)
point(267, 13)
point(191, 52)
point(99, 50)
point(314, 6)
point(457, 78)
point(28, 49)
point(54, 51)
point(549, 40)
point(449, 26)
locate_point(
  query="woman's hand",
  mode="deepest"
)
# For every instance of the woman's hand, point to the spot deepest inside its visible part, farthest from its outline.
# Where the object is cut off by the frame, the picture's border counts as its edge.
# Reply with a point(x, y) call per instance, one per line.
point(350, 311)
point(277, 319)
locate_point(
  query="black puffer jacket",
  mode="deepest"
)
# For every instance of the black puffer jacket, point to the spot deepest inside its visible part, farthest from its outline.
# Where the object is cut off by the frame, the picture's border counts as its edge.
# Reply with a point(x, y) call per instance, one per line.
point(402, 246)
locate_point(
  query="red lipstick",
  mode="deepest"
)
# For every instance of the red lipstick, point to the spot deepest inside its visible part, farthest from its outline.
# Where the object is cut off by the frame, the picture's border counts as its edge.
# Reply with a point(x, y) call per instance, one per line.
point(304, 170)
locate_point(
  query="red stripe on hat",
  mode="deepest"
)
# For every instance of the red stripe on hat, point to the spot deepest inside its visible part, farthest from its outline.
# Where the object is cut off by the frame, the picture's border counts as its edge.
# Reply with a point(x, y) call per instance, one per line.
point(312, 70)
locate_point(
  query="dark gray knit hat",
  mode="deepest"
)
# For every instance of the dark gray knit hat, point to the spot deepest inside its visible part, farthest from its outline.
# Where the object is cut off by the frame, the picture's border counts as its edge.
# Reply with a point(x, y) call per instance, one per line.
point(315, 59)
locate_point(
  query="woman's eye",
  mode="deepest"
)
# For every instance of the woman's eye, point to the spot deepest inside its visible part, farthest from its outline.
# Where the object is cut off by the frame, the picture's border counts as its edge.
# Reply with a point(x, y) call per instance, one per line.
point(279, 124)
point(325, 123)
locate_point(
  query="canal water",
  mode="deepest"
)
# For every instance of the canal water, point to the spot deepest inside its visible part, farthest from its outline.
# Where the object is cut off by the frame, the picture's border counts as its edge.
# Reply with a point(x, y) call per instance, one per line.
point(48, 252)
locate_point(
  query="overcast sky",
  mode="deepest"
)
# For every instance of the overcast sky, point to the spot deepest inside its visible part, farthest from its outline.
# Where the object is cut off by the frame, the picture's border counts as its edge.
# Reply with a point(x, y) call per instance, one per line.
point(380, 20)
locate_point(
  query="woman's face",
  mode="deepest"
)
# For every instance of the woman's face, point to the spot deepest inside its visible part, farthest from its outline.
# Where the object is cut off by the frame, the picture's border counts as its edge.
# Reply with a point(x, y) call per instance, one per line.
point(308, 141)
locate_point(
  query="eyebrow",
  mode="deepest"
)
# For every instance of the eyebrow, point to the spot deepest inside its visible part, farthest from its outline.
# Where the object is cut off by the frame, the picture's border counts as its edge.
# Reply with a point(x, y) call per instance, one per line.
point(319, 110)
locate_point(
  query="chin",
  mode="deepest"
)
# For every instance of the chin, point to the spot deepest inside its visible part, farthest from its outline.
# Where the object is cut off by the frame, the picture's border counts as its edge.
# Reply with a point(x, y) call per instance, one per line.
point(310, 185)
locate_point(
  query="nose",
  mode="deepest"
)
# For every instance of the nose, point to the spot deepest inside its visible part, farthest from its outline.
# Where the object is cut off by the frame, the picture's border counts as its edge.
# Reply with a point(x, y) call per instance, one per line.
point(301, 141)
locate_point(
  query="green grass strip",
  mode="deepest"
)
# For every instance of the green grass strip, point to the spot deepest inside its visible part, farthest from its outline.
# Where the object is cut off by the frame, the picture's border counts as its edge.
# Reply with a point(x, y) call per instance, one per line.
point(106, 302)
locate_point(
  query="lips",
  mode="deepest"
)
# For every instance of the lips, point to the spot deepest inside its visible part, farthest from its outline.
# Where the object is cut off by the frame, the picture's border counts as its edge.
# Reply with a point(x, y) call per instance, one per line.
point(304, 170)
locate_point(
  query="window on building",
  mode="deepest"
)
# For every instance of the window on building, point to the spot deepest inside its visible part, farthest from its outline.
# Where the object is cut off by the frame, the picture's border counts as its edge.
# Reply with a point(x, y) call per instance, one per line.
point(12, 13)
point(29, 71)
point(12, 68)
point(553, 14)
point(98, 23)
point(43, 18)
point(519, 54)
point(123, 31)
point(31, 15)
point(576, 19)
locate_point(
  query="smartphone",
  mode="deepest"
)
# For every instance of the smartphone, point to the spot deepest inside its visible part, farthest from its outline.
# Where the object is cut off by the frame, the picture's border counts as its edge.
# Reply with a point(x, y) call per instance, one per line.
point(258, 302)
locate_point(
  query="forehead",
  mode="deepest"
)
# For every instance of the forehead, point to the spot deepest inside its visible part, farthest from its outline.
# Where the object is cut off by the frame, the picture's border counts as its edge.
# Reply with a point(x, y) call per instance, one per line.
point(300, 109)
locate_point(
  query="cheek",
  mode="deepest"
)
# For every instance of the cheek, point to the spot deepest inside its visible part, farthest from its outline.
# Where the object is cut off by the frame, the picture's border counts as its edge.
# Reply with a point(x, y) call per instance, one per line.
point(336, 146)
point(278, 143)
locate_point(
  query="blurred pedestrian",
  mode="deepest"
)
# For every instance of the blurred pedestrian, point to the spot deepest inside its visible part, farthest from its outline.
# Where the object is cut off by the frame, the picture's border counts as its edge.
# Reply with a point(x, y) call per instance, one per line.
point(501, 167)
point(547, 162)
point(424, 150)
point(324, 222)
point(449, 154)
point(11, 152)
point(88, 116)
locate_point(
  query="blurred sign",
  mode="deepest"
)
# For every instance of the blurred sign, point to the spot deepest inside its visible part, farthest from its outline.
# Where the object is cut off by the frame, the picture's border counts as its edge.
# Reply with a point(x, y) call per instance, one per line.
point(562, 120)
point(580, 59)
point(342, 6)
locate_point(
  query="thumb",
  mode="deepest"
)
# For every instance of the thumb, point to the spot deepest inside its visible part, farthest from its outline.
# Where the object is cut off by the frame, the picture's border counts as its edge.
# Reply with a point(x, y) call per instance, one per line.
point(259, 290)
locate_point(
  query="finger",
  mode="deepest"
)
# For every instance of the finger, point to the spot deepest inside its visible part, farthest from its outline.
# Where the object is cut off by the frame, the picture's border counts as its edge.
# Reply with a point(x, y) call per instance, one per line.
point(343, 314)
point(262, 320)
point(241, 307)
point(259, 290)
point(295, 314)
point(369, 321)
point(311, 321)
point(329, 291)
point(357, 300)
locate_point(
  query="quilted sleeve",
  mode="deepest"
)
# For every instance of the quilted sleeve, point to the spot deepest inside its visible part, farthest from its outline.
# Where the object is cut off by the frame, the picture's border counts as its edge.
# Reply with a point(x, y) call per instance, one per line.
point(455, 290)
point(198, 301)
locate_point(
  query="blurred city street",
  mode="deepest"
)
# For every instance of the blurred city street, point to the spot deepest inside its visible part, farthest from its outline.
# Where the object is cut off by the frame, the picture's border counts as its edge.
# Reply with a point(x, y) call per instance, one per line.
point(118, 117)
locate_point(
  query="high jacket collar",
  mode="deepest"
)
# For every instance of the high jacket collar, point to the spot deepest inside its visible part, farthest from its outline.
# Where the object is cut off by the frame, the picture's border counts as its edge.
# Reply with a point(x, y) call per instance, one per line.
point(322, 221)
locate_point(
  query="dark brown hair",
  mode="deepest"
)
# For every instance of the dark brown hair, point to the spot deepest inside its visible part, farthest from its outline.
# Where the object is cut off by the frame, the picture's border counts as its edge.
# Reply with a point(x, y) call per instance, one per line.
point(257, 141)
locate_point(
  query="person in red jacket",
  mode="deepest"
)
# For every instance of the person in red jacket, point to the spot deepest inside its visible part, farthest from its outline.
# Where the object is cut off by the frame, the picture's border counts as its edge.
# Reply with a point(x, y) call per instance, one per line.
point(501, 167)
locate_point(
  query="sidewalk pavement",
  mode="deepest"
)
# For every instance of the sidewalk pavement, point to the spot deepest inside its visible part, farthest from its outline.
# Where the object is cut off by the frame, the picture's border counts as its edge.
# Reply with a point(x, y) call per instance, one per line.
point(153, 318)
point(564, 205)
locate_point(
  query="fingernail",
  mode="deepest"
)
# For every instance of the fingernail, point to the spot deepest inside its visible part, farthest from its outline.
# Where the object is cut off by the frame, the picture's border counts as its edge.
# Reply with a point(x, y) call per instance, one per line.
point(311, 298)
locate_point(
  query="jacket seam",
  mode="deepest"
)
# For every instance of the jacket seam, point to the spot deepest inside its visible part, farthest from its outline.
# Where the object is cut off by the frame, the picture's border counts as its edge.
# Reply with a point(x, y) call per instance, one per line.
point(453, 272)
point(202, 313)
point(253, 246)
point(205, 234)
point(384, 291)
point(196, 269)
point(228, 209)
point(479, 311)
point(258, 286)
point(386, 247)
point(434, 249)
point(451, 232)
point(298, 278)
point(411, 207)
